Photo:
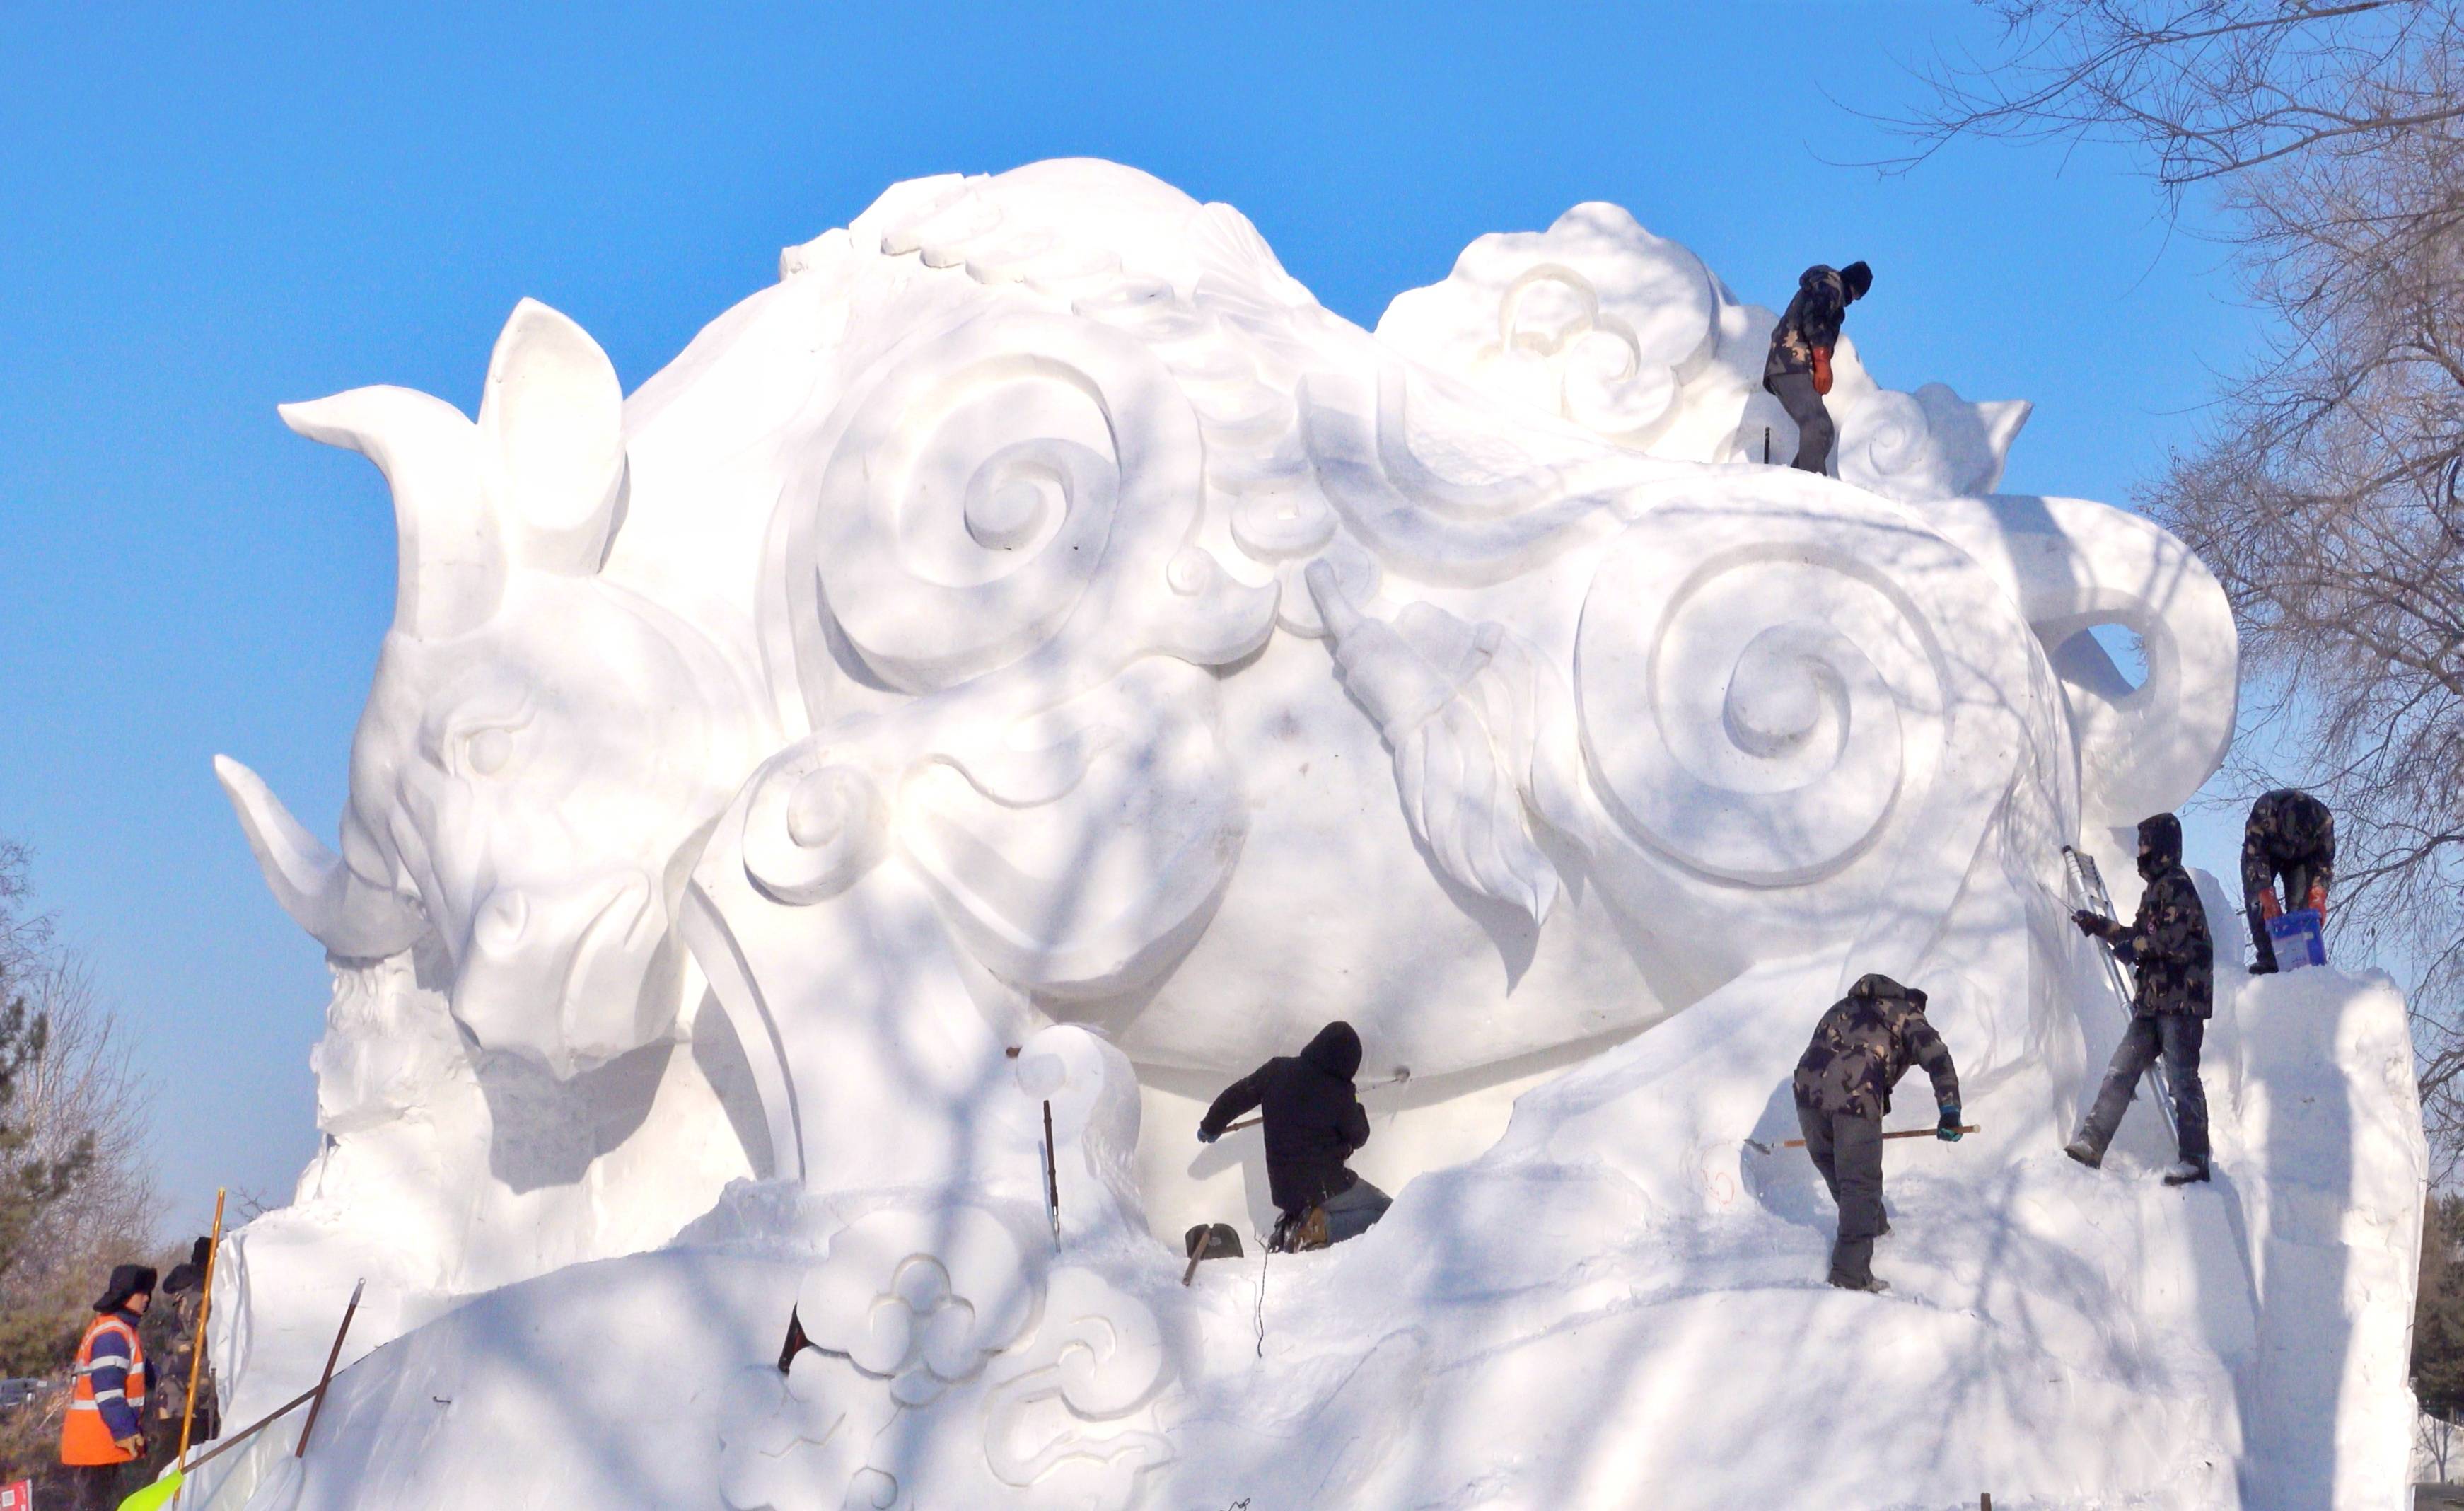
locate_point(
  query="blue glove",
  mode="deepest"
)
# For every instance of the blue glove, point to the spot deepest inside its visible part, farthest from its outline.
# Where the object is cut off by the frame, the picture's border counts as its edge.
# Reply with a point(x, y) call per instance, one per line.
point(1949, 1131)
point(1207, 1135)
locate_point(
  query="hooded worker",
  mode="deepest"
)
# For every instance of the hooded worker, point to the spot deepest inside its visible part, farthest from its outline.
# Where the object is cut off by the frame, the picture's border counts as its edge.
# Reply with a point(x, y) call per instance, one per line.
point(101, 1432)
point(2168, 948)
point(1859, 1051)
point(1314, 1124)
point(1797, 372)
point(2291, 838)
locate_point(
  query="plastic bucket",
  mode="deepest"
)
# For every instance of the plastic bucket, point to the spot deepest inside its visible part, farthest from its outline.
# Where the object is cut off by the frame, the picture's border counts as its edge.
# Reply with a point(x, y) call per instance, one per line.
point(2296, 940)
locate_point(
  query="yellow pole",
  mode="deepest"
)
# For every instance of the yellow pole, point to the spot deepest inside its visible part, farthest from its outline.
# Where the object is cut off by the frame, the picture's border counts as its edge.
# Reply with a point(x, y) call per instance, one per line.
point(197, 1347)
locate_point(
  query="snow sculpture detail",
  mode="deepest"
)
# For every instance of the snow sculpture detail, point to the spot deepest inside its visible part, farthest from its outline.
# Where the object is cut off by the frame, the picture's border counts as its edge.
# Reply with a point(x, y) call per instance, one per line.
point(1036, 655)
point(1630, 337)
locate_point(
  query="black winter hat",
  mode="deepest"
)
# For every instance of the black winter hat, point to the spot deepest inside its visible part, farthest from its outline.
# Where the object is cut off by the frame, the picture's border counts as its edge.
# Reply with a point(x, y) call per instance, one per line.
point(1859, 277)
point(126, 1280)
point(190, 1272)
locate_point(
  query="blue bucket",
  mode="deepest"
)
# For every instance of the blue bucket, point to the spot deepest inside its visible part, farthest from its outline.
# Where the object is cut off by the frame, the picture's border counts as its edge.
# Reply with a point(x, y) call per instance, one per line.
point(2296, 940)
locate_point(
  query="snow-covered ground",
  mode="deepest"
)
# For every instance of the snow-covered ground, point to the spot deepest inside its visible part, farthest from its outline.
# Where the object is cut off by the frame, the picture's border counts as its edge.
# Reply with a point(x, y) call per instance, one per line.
point(1536, 1328)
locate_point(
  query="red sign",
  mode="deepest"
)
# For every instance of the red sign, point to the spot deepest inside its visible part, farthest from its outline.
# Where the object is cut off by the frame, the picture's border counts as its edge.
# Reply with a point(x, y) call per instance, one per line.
point(19, 1496)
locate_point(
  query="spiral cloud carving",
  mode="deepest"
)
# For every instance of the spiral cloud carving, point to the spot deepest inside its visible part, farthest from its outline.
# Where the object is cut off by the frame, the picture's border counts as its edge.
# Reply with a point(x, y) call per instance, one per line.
point(1767, 691)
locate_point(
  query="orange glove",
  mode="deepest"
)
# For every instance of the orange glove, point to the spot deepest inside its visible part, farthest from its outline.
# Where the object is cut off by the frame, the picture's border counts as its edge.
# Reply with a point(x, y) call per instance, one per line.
point(2269, 909)
point(2318, 898)
point(1822, 370)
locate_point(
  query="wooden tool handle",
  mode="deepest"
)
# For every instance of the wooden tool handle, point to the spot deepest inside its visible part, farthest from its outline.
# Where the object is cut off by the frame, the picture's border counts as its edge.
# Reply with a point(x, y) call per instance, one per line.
point(1904, 1133)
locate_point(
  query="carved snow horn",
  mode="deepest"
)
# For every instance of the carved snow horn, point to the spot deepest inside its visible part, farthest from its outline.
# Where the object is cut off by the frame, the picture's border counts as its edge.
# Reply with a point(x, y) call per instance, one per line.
point(535, 483)
point(341, 910)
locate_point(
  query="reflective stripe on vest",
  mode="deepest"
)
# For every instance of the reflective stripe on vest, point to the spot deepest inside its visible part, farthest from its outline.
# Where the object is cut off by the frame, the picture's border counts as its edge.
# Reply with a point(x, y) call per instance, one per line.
point(85, 1438)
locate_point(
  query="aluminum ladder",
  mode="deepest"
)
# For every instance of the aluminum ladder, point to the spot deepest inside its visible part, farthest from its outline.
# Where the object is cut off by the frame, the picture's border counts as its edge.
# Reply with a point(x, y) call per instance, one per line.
point(2087, 884)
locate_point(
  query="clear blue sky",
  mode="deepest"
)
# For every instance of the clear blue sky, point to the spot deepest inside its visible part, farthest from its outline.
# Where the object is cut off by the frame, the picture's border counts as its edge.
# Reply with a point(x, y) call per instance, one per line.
point(209, 210)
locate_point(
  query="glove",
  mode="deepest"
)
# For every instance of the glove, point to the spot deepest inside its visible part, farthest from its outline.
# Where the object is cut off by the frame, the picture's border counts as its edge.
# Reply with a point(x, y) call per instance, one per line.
point(132, 1445)
point(1948, 1130)
point(1207, 1135)
point(1822, 370)
point(2317, 900)
point(2089, 923)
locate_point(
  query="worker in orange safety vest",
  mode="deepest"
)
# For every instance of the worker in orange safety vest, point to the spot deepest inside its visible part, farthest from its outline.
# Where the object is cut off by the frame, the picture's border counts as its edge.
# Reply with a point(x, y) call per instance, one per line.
point(102, 1431)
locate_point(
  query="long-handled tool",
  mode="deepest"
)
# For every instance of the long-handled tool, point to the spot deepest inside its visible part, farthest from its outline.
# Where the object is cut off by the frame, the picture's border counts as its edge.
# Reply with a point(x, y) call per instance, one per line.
point(1051, 1181)
point(197, 1343)
point(1209, 1241)
point(1402, 1074)
point(315, 1393)
point(327, 1378)
point(1904, 1133)
point(2088, 883)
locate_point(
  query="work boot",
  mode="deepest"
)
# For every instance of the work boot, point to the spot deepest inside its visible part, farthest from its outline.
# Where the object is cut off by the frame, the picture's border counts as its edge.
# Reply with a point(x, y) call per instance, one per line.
point(1870, 1284)
point(2086, 1153)
point(2186, 1172)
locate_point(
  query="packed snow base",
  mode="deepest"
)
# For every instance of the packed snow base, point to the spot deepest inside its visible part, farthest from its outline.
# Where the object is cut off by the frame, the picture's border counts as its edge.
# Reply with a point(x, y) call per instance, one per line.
point(1035, 657)
point(1532, 1330)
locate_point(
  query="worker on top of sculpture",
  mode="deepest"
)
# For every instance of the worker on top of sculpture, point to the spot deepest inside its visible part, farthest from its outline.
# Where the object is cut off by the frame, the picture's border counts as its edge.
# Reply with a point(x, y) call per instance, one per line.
point(1859, 1052)
point(1314, 1124)
point(2167, 947)
point(102, 1431)
point(1797, 372)
point(2292, 836)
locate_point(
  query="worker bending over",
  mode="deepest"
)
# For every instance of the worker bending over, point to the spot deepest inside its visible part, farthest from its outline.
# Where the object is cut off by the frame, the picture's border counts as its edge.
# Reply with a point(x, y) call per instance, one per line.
point(1859, 1051)
point(2290, 835)
point(2168, 949)
point(1314, 1122)
point(1797, 372)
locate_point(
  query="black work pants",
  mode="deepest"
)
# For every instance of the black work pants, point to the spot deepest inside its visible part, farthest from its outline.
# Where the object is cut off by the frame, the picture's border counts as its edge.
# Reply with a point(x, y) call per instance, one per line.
point(2175, 1038)
point(1847, 1149)
point(2261, 868)
point(1814, 432)
point(96, 1487)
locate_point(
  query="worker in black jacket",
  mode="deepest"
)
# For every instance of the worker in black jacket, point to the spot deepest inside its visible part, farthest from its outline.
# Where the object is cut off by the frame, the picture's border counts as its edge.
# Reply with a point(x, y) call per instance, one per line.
point(1314, 1122)
point(2169, 950)
point(1797, 372)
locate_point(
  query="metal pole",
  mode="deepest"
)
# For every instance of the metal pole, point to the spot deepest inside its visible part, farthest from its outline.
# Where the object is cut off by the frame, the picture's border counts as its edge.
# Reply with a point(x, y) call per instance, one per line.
point(197, 1345)
point(1052, 1180)
point(327, 1378)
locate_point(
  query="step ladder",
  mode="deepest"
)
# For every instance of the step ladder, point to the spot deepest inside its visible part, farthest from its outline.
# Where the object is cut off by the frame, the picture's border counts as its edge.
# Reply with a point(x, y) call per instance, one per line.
point(2087, 887)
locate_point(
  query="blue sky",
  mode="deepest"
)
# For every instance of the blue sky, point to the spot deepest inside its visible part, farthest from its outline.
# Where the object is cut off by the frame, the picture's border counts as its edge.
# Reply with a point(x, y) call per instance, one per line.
point(208, 211)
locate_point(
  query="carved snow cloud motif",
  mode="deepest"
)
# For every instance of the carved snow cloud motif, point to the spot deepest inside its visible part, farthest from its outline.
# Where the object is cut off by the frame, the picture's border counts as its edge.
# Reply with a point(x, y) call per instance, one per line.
point(944, 1371)
point(1629, 336)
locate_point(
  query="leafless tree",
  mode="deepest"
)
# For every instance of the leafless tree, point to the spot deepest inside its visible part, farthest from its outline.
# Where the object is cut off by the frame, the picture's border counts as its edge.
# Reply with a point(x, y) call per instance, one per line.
point(2325, 144)
point(81, 1093)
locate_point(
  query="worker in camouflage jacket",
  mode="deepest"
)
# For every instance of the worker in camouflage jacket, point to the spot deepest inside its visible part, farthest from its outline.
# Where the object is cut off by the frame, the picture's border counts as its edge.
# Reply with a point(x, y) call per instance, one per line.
point(2292, 836)
point(2168, 948)
point(1859, 1051)
point(1797, 371)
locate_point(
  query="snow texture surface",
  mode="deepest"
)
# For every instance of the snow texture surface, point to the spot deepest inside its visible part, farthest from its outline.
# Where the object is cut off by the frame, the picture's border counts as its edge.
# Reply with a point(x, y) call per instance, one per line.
point(1034, 663)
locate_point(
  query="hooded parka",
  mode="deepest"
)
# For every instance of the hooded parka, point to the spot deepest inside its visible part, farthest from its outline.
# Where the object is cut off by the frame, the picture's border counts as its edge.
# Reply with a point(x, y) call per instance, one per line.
point(1314, 1116)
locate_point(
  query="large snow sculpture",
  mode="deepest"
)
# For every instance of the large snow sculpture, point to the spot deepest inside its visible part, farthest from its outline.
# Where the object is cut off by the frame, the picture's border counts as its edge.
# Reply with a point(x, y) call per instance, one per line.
point(1035, 658)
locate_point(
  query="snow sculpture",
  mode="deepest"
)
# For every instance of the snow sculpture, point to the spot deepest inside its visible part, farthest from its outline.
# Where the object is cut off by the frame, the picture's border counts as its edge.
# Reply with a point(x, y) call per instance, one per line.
point(1630, 338)
point(1035, 661)
point(931, 1328)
